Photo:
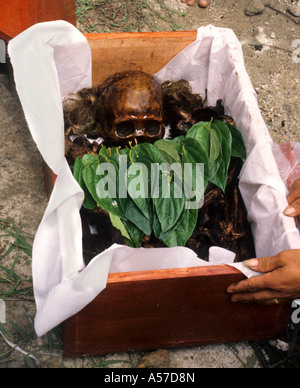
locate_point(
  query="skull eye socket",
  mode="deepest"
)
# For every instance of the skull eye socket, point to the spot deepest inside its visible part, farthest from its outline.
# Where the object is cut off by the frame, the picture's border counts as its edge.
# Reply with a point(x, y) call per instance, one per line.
point(125, 129)
point(152, 128)
point(129, 128)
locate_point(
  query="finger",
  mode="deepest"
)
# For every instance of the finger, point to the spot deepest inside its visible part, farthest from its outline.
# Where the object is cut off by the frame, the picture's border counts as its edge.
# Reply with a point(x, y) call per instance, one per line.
point(268, 297)
point(295, 192)
point(254, 284)
point(264, 264)
point(293, 210)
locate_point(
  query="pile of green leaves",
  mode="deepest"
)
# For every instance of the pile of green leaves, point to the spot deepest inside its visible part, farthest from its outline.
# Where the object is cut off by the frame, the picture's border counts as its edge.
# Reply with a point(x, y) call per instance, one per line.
point(170, 219)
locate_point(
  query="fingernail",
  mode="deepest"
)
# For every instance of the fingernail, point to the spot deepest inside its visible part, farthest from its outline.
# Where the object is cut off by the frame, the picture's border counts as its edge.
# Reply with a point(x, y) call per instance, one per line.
point(290, 212)
point(253, 263)
point(230, 289)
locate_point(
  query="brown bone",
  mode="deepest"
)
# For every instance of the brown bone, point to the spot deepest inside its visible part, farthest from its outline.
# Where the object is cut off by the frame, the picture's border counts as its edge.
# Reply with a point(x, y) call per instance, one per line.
point(133, 106)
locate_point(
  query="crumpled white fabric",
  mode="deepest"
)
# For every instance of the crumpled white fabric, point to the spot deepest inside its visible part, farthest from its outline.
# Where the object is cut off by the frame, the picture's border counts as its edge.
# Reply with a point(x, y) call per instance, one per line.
point(53, 59)
point(287, 157)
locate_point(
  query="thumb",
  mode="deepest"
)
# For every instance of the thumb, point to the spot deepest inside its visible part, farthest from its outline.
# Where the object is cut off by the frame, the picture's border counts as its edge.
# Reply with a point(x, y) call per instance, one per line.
point(295, 192)
point(264, 264)
point(293, 210)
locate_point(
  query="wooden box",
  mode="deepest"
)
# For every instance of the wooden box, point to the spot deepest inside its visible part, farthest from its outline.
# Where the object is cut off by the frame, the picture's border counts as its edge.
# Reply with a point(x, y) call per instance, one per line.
point(163, 308)
point(18, 15)
point(150, 309)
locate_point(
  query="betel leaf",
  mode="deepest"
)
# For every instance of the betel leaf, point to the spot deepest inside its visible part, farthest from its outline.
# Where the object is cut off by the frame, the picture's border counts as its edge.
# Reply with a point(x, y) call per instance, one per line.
point(155, 224)
point(169, 208)
point(100, 179)
point(152, 152)
point(164, 236)
point(90, 163)
point(118, 224)
point(133, 214)
point(220, 177)
point(238, 145)
point(215, 151)
point(166, 211)
point(201, 133)
point(139, 184)
point(198, 155)
point(88, 202)
point(169, 150)
point(182, 234)
point(136, 235)
point(226, 141)
point(177, 141)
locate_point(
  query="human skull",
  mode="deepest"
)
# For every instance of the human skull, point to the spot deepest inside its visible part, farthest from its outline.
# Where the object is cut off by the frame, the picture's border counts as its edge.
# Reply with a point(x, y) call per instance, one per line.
point(132, 105)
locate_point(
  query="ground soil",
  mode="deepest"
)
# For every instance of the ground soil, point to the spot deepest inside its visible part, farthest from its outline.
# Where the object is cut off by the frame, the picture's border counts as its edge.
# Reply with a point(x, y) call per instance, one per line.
point(267, 40)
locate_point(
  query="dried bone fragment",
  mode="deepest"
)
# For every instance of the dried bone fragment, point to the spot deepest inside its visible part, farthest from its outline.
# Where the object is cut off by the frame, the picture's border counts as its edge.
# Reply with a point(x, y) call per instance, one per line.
point(127, 106)
point(133, 108)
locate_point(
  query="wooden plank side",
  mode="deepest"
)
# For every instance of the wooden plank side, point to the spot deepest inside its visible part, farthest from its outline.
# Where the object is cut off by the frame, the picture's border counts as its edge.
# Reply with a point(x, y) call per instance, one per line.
point(169, 312)
point(47, 10)
point(13, 17)
point(148, 51)
point(18, 15)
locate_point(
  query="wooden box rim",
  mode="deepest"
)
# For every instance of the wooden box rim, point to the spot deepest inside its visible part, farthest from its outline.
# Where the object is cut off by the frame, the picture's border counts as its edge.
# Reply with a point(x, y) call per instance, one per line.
point(173, 273)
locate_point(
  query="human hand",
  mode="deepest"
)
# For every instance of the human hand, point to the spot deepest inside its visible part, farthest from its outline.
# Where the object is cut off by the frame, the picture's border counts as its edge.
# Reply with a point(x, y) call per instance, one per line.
point(293, 210)
point(281, 282)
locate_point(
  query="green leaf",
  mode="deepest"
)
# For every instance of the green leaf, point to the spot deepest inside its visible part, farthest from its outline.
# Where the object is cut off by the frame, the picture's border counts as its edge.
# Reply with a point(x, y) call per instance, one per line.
point(151, 152)
point(139, 184)
point(201, 133)
point(169, 151)
point(133, 214)
point(89, 202)
point(194, 152)
point(238, 145)
point(169, 209)
point(167, 214)
point(164, 236)
point(177, 141)
point(135, 233)
point(226, 141)
point(102, 187)
point(118, 224)
point(215, 153)
point(156, 225)
point(90, 164)
point(184, 231)
point(220, 177)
